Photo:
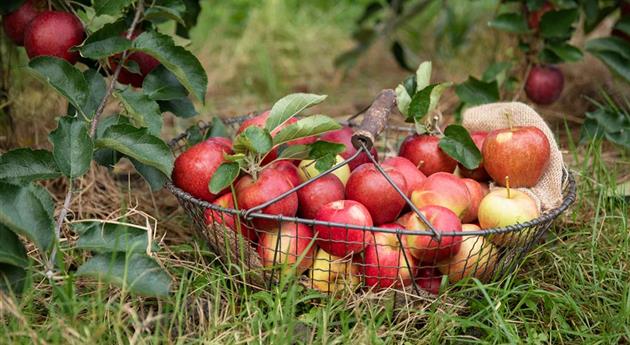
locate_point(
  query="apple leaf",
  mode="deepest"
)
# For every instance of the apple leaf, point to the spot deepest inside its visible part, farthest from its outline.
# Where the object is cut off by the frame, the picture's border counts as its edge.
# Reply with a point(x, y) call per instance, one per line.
point(105, 237)
point(474, 91)
point(137, 273)
point(306, 127)
point(26, 165)
point(28, 211)
point(402, 99)
point(12, 278)
point(558, 24)
point(62, 76)
point(325, 154)
point(182, 107)
point(96, 91)
point(144, 112)
point(423, 77)
point(294, 152)
point(609, 44)
point(182, 63)
point(163, 10)
point(162, 85)
point(105, 42)
point(623, 25)
point(510, 22)
point(196, 135)
point(110, 7)
point(458, 144)
point(155, 178)
point(419, 105)
point(253, 139)
point(139, 144)
point(565, 51)
point(12, 250)
point(289, 106)
point(72, 146)
point(224, 176)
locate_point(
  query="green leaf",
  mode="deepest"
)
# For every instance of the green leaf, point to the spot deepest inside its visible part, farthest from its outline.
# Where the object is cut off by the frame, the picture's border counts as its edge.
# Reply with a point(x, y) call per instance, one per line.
point(474, 91)
point(143, 111)
point(95, 93)
point(182, 63)
point(162, 85)
point(105, 42)
point(138, 273)
point(155, 178)
point(623, 25)
point(110, 7)
point(294, 152)
point(423, 76)
point(402, 99)
point(458, 144)
point(72, 146)
point(182, 107)
point(196, 135)
point(306, 127)
point(419, 105)
point(138, 143)
point(26, 165)
point(253, 139)
point(565, 51)
point(410, 84)
point(497, 71)
point(609, 44)
point(224, 176)
point(108, 157)
point(26, 211)
point(62, 76)
point(163, 10)
point(510, 22)
point(321, 148)
point(325, 162)
point(616, 62)
point(558, 24)
point(609, 120)
point(102, 237)
point(12, 250)
point(289, 106)
point(12, 278)
point(218, 129)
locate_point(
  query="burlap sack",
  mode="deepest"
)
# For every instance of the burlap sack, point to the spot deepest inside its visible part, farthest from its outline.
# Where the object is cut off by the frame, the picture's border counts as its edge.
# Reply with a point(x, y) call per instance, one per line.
point(487, 117)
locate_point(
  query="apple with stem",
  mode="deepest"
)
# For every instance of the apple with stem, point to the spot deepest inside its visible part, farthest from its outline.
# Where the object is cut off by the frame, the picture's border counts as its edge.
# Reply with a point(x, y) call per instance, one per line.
point(443, 189)
point(54, 33)
point(521, 152)
point(413, 176)
point(339, 240)
point(369, 187)
point(332, 274)
point(425, 153)
point(292, 245)
point(386, 262)
point(318, 193)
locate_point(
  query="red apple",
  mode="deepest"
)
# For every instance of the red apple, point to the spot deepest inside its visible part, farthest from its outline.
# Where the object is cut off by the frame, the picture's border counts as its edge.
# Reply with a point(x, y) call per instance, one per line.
point(413, 176)
point(318, 193)
point(384, 261)
point(429, 279)
point(425, 247)
point(194, 168)
point(222, 141)
point(477, 192)
point(270, 184)
point(533, 18)
point(146, 62)
point(480, 173)
point(286, 245)
point(344, 136)
point(443, 189)
point(16, 22)
point(54, 33)
point(369, 187)
point(289, 170)
point(522, 153)
point(342, 241)
point(477, 258)
point(228, 219)
point(423, 151)
point(544, 84)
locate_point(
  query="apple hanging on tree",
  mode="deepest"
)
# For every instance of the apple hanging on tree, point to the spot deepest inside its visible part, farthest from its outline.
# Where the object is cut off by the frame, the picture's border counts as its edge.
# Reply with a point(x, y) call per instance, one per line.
point(16, 22)
point(54, 33)
point(544, 84)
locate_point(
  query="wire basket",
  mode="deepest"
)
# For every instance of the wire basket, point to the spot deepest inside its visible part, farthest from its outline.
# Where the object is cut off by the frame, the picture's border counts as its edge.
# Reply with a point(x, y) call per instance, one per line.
point(382, 259)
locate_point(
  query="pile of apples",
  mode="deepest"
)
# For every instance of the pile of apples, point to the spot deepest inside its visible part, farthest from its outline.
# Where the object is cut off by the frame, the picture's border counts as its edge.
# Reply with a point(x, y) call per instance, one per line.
point(357, 195)
point(44, 32)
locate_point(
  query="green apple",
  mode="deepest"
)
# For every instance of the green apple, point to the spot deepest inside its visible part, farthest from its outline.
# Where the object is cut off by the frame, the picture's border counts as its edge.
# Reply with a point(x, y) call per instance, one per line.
point(503, 207)
point(307, 170)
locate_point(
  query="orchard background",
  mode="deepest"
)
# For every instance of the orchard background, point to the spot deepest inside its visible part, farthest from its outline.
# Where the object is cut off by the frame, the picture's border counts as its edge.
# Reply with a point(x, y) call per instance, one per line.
point(573, 288)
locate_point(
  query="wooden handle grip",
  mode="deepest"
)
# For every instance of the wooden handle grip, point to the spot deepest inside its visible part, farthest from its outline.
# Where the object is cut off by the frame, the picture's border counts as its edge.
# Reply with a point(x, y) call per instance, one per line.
point(375, 119)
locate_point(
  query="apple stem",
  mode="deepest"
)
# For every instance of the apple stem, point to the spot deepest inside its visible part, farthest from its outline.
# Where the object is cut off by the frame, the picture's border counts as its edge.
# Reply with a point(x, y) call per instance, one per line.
point(507, 186)
point(509, 120)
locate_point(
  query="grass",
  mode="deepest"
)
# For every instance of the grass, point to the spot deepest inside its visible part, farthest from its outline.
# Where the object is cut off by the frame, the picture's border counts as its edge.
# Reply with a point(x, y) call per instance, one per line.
point(573, 289)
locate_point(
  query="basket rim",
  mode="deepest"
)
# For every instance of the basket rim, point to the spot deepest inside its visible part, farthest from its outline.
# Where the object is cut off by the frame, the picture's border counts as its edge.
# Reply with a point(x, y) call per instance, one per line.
point(548, 216)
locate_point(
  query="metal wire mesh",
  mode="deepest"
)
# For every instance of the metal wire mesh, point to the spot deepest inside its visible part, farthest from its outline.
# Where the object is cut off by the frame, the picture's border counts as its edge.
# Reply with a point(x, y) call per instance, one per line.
point(379, 261)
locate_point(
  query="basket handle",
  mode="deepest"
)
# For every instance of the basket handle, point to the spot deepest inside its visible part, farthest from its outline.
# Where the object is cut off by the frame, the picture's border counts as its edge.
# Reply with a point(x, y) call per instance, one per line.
point(375, 119)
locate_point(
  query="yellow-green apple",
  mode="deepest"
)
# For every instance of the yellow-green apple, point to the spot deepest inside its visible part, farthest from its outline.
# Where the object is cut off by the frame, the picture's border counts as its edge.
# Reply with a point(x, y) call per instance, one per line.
point(412, 174)
point(384, 261)
point(443, 189)
point(477, 258)
point(288, 169)
point(307, 170)
point(332, 274)
point(479, 173)
point(369, 187)
point(344, 136)
point(477, 192)
point(522, 153)
point(544, 84)
point(292, 245)
point(318, 193)
point(269, 184)
point(15, 23)
point(228, 219)
point(426, 248)
point(54, 33)
point(339, 240)
point(425, 153)
point(429, 279)
point(194, 168)
point(503, 207)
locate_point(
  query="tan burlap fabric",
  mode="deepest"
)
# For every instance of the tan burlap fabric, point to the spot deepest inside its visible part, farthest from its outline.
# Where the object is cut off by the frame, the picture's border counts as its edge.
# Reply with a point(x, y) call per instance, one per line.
point(488, 117)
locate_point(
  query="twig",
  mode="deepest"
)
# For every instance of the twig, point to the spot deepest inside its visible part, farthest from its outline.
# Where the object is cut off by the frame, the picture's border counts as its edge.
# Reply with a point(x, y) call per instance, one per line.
point(95, 119)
